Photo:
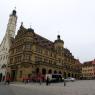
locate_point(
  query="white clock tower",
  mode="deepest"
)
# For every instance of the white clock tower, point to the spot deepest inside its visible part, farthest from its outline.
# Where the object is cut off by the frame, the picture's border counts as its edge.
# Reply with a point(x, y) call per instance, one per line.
point(5, 44)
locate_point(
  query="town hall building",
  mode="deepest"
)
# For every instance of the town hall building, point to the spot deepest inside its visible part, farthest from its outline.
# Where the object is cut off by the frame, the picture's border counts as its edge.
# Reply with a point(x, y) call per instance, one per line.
point(33, 55)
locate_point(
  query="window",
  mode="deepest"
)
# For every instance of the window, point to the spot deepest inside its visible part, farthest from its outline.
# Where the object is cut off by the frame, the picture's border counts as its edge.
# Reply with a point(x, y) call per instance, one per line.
point(46, 52)
point(50, 61)
point(3, 57)
point(51, 54)
point(45, 59)
point(18, 49)
point(38, 58)
point(12, 51)
point(38, 50)
point(27, 57)
point(11, 60)
point(0, 57)
point(6, 56)
point(18, 59)
point(27, 47)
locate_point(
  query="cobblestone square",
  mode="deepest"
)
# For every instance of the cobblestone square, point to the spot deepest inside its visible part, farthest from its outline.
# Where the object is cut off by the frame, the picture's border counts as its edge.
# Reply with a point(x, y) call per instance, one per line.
point(83, 87)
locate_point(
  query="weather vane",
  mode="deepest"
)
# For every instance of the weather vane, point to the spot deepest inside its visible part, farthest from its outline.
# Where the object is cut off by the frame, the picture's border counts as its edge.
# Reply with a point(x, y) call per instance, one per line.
point(58, 32)
point(22, 23)
point(30, 26)
point(15, 7)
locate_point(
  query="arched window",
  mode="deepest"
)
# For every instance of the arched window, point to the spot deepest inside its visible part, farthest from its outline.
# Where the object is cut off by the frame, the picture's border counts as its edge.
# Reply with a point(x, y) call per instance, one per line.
point(50, 71)
point(55, 72)
point(43, 71)
point(37, 70)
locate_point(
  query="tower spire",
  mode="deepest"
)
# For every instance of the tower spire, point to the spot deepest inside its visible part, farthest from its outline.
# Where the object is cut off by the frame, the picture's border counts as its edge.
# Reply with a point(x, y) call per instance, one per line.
point(6, 42)
point(15, 7)
point(11, 27)
point(14, 12)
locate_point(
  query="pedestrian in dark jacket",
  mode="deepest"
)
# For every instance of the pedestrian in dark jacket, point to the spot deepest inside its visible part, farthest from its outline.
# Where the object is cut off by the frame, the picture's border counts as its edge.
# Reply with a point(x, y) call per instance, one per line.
point(64, 82)
point(47, 81)
point(7, 80)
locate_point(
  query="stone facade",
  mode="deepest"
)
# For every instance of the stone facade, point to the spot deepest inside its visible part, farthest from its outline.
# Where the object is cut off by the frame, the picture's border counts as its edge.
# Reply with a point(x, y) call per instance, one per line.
point(88, 70)
point(6, 42)
point(72, 66)
point(33, 55)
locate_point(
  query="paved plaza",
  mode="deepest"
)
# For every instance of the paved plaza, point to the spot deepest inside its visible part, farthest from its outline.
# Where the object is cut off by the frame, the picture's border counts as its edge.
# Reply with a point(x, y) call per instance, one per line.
point(83, 87)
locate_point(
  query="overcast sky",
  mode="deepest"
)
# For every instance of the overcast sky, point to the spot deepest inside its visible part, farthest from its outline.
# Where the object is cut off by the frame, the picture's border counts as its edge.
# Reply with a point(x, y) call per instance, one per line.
point(74, 20)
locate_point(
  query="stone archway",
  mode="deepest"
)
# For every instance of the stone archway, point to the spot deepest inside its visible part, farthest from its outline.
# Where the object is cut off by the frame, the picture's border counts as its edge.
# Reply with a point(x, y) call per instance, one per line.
point(72, 75)
point(50, 71)
point(60, 72)
point(75, 76)
point(65, 75)
point(13, 75)
point(68, 74)
point(37, 70)
point(55, 72)
point(43, 71)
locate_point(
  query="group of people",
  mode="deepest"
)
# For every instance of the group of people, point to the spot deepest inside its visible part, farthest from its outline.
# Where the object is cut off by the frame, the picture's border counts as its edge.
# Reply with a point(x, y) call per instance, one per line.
point(6, 79)
point(39, 79)
point(47, 81)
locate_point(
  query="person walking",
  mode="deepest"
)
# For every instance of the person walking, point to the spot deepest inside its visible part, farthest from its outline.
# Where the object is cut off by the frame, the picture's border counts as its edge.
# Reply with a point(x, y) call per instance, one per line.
point(47, 81)
point(40, 80)
point(7, 81)
point(64, 82)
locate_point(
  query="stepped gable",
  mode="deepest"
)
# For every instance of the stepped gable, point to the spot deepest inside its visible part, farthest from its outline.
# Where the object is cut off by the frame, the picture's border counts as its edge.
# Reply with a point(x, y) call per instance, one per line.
point(88, 63)
point(44, 42)
point(67, 53)
point(23, 32)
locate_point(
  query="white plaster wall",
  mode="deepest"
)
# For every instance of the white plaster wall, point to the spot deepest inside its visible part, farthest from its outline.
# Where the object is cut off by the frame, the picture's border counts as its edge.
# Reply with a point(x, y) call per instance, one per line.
point(5, 44)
